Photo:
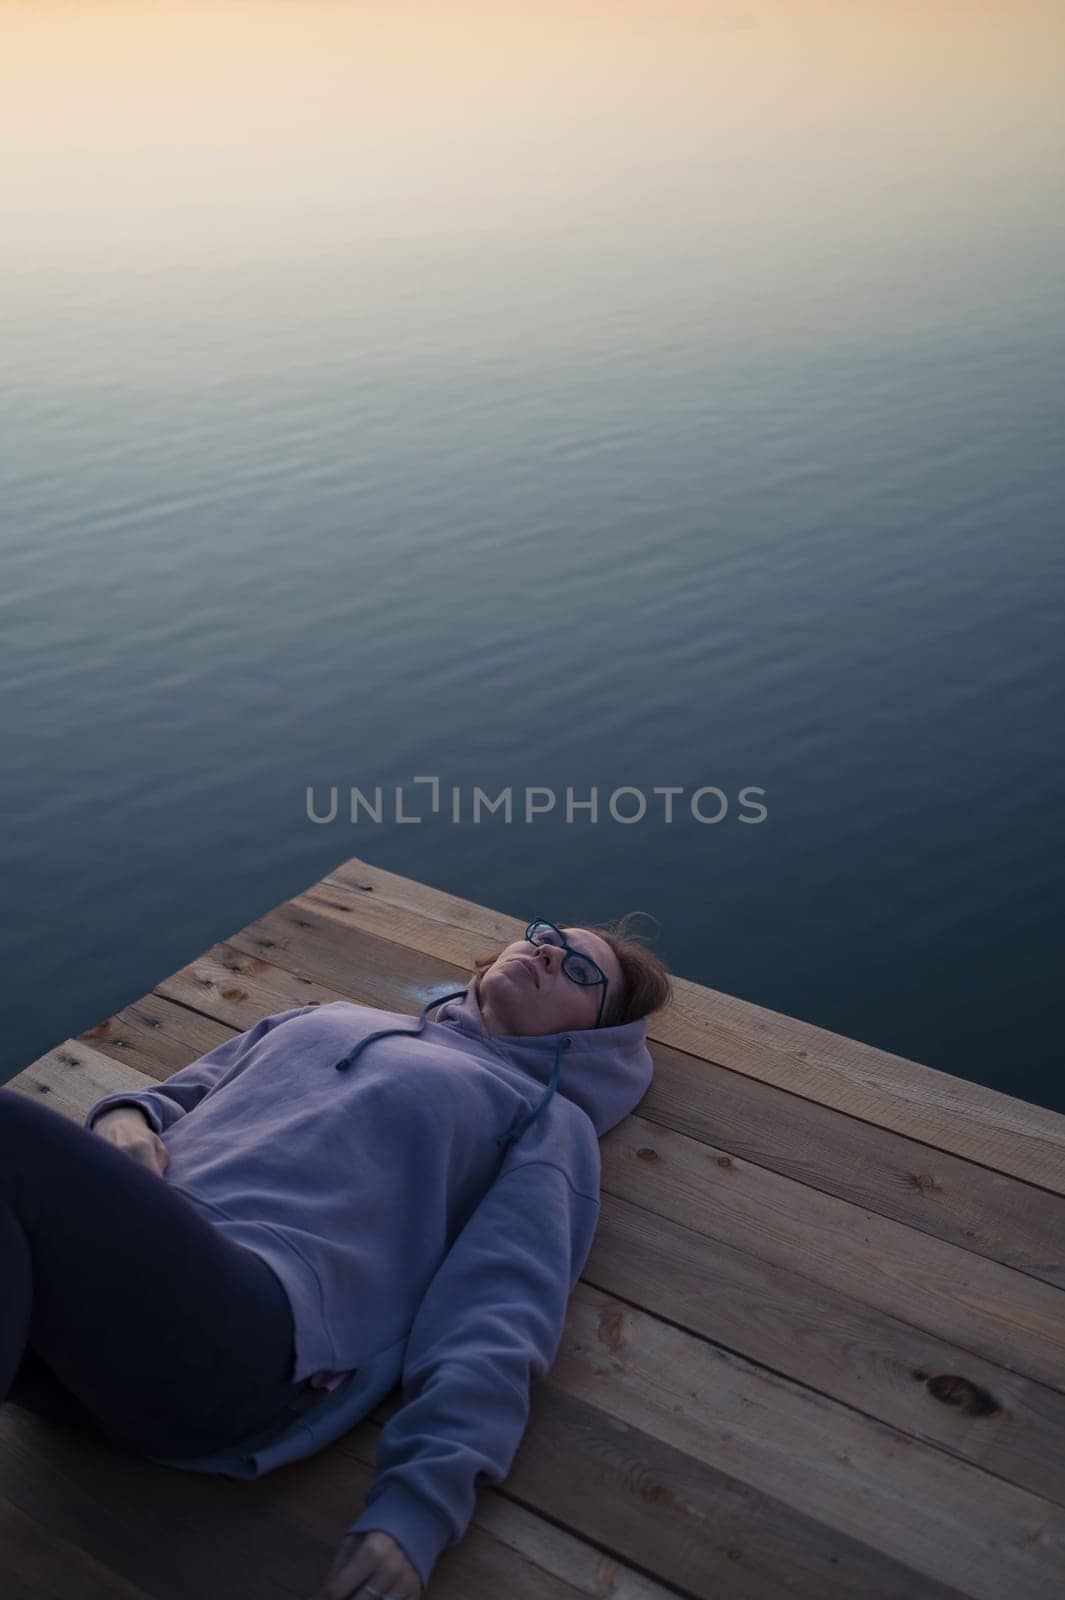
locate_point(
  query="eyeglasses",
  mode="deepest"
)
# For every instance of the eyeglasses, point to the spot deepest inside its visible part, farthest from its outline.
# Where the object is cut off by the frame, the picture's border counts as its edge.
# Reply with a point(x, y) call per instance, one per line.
point(578, 967)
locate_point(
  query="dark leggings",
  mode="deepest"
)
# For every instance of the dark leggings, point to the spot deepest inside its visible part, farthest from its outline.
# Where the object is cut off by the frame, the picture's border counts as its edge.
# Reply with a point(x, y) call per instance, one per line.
point(122, 1309)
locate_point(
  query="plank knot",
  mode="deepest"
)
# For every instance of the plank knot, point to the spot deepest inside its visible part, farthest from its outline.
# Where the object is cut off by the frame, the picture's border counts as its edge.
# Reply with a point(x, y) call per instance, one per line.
point(961, 1393)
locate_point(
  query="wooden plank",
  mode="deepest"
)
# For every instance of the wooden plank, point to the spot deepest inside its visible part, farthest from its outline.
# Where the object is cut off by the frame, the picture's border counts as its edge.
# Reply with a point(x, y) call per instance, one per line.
point(944, 1112)
point(855, 1353)
point(693, 1523)
point(37, 1563)
point(237, 989)
point(154, 1029)
point(944, 1518)
point(352, 961)
point(508, 1549)
point(981, 1124)
point(72, 1076)
point(1004, 1316)
point(168, 1532)
point(991, 1213)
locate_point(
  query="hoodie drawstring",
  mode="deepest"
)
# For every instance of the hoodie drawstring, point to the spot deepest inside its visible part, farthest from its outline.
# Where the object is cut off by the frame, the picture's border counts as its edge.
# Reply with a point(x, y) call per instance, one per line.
point(384, 1033)
point(522, 1123)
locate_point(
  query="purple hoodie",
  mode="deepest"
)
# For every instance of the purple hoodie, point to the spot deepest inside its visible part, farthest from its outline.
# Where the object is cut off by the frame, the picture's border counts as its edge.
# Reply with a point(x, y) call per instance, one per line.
point(427, 1193)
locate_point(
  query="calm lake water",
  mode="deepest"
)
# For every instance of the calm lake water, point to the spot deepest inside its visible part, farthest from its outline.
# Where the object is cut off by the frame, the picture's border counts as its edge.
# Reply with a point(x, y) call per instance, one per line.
point(616, 396)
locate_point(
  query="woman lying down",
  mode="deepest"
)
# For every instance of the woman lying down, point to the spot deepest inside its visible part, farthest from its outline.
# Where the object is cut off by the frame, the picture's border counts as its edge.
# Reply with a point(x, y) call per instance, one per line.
point(350, 1199)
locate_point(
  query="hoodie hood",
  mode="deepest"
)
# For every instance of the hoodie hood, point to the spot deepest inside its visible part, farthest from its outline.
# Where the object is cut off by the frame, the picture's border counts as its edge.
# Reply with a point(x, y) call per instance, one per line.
point(605, 1071)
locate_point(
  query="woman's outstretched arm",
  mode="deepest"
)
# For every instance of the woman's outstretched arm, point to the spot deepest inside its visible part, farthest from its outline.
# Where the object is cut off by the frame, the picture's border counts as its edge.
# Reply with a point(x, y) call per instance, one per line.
point(488, 1326)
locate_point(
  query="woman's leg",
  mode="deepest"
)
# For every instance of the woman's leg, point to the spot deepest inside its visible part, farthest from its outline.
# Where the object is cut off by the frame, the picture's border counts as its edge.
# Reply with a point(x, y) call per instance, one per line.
point(175, 1339)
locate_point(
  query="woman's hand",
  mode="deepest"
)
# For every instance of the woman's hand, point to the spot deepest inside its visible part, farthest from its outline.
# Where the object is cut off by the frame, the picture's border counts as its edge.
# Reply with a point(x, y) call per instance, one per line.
point(128, 1130)
point(367, 1562)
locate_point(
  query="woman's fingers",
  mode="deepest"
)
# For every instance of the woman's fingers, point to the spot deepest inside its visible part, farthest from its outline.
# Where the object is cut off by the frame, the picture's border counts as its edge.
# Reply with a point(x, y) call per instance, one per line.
point(370, 1561)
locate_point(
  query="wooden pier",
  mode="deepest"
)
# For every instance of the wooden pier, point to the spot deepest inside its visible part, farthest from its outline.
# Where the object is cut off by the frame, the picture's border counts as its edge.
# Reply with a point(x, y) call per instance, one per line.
point(818, 1349)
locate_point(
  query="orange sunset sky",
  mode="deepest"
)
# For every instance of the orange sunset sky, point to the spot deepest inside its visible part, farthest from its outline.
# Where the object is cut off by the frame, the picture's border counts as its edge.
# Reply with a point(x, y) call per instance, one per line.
point(123, 121)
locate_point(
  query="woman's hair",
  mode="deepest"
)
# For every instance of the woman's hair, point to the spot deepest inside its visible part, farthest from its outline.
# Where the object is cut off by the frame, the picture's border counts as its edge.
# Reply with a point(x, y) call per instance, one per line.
point(645, 981)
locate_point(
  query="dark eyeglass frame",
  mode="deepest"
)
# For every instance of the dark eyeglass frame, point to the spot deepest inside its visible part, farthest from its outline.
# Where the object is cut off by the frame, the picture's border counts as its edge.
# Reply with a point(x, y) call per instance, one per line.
point(542, 922)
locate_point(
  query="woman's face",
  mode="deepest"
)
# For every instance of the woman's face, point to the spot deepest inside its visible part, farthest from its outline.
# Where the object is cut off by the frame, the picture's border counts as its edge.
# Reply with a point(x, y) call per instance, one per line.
point(525, 990)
